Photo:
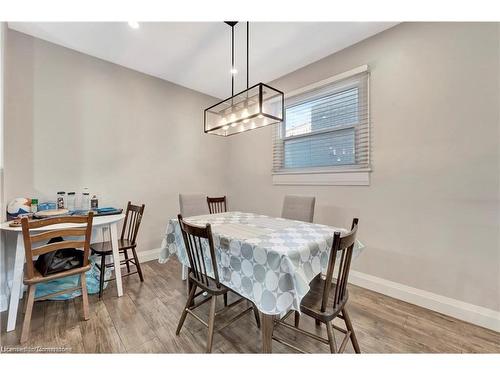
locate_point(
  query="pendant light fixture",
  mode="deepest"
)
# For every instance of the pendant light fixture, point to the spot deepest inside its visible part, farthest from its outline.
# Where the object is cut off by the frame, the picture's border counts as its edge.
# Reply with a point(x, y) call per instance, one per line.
point(255, 107)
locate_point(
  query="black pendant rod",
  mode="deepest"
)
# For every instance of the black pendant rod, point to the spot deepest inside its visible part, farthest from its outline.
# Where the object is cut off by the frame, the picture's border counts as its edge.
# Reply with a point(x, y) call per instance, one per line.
point(232, 24)
point(232, 60)
point(247, 53)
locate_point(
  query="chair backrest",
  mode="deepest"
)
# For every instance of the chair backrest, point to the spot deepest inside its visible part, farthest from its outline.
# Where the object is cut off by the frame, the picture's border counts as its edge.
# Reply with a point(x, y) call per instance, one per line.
point(133, 218)
point(193, 204)
point(217, 205)
point(195, 238)
point(298, 208)
point(342, 245)
point(84, 231)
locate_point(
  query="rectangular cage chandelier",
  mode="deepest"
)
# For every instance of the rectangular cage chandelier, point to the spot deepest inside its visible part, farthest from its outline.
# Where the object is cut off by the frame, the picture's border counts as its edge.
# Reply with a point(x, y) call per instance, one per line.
point(253, 108)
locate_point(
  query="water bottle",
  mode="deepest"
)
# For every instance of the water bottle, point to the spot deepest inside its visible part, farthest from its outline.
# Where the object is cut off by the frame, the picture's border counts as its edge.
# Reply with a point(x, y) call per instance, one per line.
point(70, 201)
point(85, 203)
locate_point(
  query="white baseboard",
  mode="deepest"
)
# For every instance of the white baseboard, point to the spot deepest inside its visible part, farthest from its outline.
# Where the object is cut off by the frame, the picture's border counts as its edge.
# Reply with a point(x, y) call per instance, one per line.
point(146, 256)
point(468, 312)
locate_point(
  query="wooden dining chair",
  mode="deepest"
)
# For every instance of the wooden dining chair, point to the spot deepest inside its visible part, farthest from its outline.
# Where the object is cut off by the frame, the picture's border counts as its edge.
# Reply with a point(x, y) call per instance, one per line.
point(200, 249)
point(217, 205)
point(126, 242)
point(193, 204)
point(300, 208)
point(33, 277)
point(327, 298)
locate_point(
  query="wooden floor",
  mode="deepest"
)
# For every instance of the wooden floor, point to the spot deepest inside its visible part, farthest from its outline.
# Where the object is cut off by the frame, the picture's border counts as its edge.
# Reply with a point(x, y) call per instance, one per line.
point(145, 319)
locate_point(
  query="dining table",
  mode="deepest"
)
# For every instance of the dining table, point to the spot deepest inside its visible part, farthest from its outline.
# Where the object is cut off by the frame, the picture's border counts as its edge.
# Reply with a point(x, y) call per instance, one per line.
point(267, 260)
point(15, 250)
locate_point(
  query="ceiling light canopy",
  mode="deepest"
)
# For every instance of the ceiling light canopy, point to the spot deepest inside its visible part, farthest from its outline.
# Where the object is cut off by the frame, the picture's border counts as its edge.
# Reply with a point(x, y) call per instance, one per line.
point(133, 24)
point(255, 107)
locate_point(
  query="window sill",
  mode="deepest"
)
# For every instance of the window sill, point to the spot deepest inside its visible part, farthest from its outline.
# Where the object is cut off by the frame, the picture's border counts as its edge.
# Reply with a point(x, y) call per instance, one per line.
point(347, 177)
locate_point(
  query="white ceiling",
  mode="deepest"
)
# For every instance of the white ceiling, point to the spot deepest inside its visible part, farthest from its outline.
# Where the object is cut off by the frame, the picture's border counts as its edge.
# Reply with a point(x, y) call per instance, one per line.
point(197, 54)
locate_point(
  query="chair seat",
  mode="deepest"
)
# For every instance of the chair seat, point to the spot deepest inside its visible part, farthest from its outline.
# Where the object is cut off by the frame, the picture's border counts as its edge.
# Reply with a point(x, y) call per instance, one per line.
point(106, 247)
point(212, 286)
point(311, 303)
point(39, 278)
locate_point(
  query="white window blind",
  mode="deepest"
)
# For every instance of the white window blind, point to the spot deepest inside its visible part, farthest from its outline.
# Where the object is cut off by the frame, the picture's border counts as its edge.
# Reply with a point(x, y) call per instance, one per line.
point(325, 128)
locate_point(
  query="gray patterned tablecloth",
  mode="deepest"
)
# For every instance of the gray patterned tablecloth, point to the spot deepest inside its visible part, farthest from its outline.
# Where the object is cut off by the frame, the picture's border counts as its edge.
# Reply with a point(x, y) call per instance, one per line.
point(270, 261)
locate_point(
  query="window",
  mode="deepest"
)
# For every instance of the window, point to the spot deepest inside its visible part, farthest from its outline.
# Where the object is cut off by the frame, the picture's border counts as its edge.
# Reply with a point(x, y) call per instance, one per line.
point(326, 130)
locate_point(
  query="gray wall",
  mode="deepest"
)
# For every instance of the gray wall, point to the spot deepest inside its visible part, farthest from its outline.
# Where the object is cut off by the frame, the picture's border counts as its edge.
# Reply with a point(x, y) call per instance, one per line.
point(74, 121)
point(430, 218)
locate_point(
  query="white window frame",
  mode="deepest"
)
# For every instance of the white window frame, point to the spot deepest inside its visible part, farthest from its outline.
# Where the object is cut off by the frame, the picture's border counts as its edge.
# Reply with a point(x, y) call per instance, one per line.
point(337, 175)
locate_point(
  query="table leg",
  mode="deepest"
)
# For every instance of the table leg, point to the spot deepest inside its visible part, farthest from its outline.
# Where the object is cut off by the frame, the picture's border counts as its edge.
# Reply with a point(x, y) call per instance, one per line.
point(267, 326)
point(17, 283)
point(116, 258)
point(184, 272)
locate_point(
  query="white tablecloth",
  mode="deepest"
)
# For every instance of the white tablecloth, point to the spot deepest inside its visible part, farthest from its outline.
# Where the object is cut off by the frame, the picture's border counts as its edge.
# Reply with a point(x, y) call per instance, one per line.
point(270, 261)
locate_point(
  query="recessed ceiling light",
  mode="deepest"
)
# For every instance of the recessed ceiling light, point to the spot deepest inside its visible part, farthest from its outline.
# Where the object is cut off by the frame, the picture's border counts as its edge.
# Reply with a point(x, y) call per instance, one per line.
point(133, 24)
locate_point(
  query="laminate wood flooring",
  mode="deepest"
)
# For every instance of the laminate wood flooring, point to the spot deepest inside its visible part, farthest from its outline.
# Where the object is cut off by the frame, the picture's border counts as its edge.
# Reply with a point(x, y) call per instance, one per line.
point(145, 318)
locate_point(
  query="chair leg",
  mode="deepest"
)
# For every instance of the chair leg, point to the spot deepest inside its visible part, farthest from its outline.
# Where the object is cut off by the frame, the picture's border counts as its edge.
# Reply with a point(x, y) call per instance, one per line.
point(101, 275)
point(125, 253)
point(189, 286)
point(331, 337)
point(348, 324)
point(225, 299)
point(256, 315)
point(211, 321)
point(137, 265)
point(184, 311)
point(85, 297)
point(30, 299)
point(297, 319)
point(25, 305)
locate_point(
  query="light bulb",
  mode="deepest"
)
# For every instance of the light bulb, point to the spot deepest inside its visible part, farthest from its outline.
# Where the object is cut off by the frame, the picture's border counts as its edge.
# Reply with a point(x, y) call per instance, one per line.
point(223, 121)
point(260, 116)
point(232, 118)
point(245, 121)
point(225, 127)
point(234, 71)
point(133, 24)
point(234, 124)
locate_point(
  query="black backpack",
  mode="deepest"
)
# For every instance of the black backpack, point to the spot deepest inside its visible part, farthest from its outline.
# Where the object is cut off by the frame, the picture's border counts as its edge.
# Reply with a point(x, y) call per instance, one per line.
point(59, 260)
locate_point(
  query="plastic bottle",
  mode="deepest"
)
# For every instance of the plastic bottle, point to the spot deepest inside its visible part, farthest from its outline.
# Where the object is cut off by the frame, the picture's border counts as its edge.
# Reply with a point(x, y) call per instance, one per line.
point(34, 205)
point(61, 200)
point(70, 202)
point(94, 204)
point(85, 203)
